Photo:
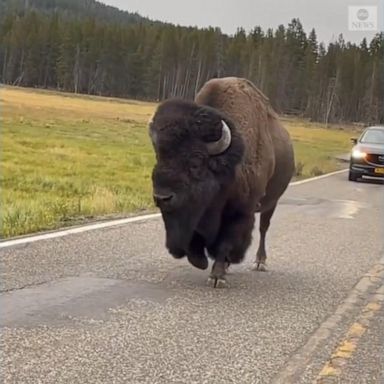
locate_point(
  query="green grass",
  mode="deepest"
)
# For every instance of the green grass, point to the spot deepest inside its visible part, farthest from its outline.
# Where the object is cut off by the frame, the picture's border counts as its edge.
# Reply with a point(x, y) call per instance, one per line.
point(69, 158)
point(62, 161)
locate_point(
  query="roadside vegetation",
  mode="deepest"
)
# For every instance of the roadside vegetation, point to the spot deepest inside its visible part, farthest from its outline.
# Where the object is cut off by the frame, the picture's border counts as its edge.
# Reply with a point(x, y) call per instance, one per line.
point(67, 158)
point(317, 146)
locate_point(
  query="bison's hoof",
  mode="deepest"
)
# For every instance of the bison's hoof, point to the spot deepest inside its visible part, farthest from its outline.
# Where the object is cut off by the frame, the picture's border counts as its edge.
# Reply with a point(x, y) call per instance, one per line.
point(217, 282)
point(260, 266)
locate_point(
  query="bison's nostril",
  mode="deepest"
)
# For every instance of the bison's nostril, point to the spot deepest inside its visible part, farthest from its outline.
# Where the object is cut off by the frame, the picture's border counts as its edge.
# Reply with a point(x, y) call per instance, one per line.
point(163, 198)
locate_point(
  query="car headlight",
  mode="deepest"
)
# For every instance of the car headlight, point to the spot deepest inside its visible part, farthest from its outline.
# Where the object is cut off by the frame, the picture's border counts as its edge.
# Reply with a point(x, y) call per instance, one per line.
point(358, 154)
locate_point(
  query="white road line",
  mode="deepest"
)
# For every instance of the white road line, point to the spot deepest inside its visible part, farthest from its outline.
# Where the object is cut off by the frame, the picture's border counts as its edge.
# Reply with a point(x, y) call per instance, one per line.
point(113, 223)
point(72, 231)
point(317, 177)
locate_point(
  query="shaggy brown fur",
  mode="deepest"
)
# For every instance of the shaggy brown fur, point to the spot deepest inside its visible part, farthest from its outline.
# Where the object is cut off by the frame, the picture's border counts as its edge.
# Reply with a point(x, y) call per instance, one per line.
point(268, 159)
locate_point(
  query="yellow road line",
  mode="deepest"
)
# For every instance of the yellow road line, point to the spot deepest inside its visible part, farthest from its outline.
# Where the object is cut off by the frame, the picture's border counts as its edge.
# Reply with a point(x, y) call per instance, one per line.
point(294, 368)
point(346, 348)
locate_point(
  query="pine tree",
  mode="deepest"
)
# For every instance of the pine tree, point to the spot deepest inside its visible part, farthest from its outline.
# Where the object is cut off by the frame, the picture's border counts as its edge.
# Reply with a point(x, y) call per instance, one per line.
point(83, 46)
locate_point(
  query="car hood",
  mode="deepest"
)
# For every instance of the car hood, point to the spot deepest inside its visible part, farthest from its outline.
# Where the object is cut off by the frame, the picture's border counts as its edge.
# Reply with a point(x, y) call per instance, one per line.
point(377, 149)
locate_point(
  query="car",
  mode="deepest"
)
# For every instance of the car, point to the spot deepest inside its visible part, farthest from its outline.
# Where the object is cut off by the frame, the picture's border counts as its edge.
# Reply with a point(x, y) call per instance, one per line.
point(367, 156)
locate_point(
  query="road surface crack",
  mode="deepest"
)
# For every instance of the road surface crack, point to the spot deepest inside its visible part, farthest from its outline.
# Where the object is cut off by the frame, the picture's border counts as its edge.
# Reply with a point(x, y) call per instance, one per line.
point(23, 287)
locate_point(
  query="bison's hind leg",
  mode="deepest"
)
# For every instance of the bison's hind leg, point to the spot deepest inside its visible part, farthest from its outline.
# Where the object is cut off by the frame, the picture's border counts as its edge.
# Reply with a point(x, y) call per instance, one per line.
point(261, 255)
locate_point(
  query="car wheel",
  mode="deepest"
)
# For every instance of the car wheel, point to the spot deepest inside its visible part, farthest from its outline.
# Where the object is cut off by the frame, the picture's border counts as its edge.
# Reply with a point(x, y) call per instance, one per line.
point(352, 176)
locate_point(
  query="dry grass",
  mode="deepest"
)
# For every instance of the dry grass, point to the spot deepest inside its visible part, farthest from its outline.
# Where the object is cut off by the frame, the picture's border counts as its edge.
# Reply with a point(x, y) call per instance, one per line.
point(55, 105)
point(69, 158)
point(317, 146)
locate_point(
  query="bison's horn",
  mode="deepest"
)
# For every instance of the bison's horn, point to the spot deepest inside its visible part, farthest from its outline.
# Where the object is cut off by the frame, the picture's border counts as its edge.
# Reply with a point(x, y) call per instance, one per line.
point(153, 136)
point(219, 146)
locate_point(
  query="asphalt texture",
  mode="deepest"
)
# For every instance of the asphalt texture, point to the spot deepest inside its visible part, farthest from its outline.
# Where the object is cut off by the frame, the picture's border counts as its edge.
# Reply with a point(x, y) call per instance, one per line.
point(111, 306)
point(367, 364)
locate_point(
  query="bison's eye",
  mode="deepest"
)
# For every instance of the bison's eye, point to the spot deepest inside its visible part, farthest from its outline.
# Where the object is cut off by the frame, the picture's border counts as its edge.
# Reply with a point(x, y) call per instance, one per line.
point(196, 166)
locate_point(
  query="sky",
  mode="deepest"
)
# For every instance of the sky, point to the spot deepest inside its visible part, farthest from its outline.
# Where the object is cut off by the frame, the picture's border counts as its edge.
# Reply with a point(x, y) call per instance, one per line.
point(328, 17)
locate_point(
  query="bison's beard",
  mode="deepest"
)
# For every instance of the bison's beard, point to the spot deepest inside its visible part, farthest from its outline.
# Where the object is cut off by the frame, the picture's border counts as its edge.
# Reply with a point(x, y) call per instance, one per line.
point(181, 223)
point(180, 227)
point(182, 220)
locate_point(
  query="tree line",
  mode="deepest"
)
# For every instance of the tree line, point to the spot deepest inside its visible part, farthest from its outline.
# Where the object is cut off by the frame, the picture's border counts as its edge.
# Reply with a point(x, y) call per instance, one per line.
point(339, 82)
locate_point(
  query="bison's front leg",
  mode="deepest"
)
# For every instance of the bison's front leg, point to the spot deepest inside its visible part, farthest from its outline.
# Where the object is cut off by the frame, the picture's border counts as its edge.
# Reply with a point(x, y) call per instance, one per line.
point(233, 240)
point(217, 277)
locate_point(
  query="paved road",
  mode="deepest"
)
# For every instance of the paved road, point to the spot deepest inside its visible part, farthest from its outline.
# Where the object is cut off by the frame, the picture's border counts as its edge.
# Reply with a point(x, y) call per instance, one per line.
point(111, 306)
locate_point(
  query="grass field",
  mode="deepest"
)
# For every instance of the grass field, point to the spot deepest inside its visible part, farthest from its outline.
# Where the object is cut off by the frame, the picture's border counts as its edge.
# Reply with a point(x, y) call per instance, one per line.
point(69, 158)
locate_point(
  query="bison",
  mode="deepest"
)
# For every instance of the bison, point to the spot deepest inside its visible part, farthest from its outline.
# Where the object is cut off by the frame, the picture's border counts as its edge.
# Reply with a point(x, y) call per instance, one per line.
point(219, 160)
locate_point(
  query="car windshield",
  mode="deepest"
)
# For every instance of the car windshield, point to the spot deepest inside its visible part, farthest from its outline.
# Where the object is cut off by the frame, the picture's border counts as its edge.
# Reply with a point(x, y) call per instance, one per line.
point(373, 136)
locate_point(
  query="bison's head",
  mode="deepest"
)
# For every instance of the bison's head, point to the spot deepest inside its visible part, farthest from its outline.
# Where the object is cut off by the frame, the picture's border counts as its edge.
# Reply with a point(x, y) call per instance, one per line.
point(197, 149)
